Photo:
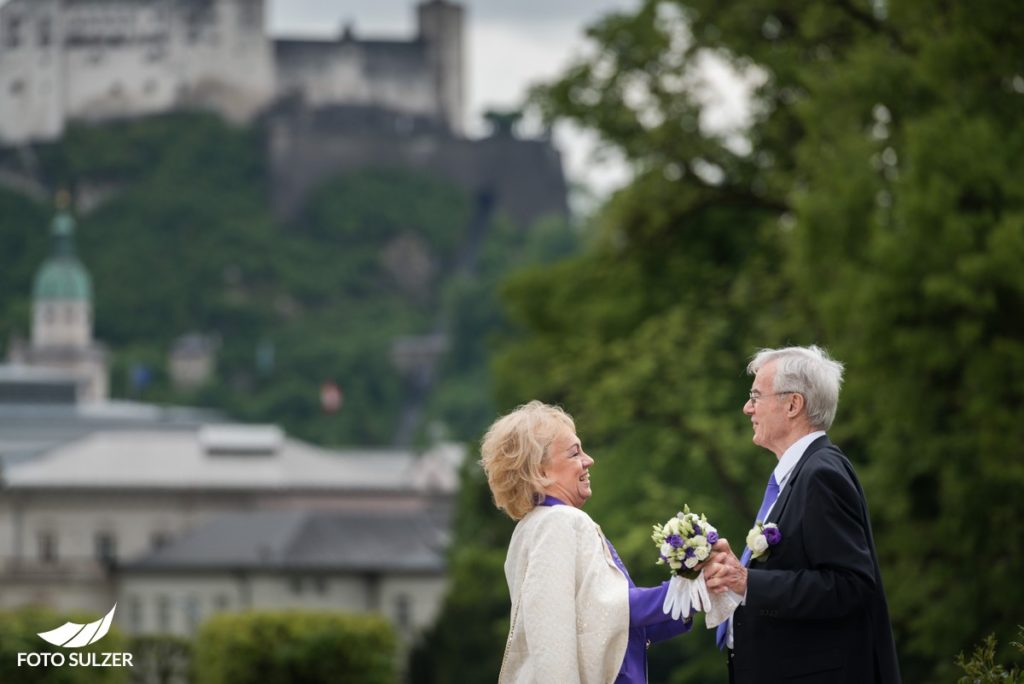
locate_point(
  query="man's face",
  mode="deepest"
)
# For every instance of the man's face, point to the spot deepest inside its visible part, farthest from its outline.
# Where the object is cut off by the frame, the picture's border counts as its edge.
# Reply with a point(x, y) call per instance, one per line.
point(767, 411)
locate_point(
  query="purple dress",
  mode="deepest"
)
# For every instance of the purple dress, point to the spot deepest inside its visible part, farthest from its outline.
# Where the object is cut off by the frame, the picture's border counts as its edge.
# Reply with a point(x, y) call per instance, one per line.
point(648, 624)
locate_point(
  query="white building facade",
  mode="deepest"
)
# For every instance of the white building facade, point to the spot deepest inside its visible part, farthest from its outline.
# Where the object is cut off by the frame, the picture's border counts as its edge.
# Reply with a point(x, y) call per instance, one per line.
point(95, 60)
point(175, 525)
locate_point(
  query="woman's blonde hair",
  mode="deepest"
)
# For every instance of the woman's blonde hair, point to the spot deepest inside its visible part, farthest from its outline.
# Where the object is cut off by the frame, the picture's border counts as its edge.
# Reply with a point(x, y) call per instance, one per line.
point(513, 451)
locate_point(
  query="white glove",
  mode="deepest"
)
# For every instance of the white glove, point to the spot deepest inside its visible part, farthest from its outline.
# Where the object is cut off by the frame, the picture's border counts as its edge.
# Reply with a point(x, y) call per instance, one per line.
point(717, 607)
point(678, 598)
point(699, 595)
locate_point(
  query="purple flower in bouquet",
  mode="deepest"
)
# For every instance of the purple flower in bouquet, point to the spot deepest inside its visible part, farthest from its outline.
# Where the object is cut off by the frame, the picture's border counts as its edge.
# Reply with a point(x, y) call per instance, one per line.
point(684, 542)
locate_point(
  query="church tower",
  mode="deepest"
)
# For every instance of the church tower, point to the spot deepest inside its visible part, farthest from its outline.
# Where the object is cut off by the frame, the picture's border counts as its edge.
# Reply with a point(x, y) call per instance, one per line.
point(62, 315)
point(62, 292)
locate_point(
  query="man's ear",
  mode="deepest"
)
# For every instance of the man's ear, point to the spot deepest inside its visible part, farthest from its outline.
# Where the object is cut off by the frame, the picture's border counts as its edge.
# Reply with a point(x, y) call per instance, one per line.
point(795, 404)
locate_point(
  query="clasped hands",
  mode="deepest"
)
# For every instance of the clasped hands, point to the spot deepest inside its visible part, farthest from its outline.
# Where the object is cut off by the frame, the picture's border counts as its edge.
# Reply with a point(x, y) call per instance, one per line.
point(717, 591)
point(723, 570)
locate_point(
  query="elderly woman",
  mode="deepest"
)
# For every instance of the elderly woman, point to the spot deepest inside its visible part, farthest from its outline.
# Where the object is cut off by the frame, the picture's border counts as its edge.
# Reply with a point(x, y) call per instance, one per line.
point(576, 614)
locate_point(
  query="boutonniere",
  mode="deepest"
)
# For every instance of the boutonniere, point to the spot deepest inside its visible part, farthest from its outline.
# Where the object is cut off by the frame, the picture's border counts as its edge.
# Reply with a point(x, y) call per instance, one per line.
point(761, 538)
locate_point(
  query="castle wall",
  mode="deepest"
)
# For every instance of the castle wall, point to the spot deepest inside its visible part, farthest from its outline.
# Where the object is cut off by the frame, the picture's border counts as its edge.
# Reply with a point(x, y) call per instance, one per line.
point(225, 60)
point(94, 60)
point(31, 74)
point(521, 178)
point(390, 75)
point(102, 83)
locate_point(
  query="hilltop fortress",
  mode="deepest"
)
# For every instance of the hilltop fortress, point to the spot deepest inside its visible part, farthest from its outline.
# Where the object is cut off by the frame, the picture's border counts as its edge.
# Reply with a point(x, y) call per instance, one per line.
point(94, 60)
point(326, 107)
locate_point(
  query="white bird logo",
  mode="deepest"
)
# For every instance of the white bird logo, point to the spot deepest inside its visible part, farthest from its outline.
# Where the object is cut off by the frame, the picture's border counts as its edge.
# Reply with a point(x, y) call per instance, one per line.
point(74, 635)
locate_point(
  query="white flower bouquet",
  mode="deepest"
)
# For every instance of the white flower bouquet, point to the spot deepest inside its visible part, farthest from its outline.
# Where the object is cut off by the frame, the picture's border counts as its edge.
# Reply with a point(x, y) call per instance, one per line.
point(684, 542)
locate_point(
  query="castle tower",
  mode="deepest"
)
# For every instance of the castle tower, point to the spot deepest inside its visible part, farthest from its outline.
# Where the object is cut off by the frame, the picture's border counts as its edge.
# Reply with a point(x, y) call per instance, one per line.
point(440, 28)
point(62, 315)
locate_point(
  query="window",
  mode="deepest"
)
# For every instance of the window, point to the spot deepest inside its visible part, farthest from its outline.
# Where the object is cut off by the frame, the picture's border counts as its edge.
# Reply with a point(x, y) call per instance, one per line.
point(134, 613)
point(221, 602)
point(12, 32)
point(106, 547)
point(47, 542)
point(45, 32)
point(159, 539)
point(163, 613)
point(193, 613)
point(250, 15)
point(403, 611)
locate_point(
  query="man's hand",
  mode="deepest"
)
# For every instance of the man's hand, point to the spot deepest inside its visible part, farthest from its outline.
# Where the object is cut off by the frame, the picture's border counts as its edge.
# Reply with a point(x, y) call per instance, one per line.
point(724, 571)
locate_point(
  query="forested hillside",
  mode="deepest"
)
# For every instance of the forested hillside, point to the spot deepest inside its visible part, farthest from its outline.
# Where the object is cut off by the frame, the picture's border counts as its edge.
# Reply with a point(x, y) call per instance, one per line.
point(185, 241)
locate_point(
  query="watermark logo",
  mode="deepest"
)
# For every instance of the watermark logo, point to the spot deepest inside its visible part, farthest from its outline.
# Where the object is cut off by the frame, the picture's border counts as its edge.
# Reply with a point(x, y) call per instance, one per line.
point(74, 635)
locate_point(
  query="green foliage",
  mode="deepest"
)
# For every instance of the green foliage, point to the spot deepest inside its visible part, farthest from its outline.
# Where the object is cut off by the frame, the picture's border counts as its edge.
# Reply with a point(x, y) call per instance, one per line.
point(286, 647)
point(184, 241)
point(18, 634)
point(464, 401)
point(160, 659)
point(982, 667)
point(24, 242)
point(872, 206)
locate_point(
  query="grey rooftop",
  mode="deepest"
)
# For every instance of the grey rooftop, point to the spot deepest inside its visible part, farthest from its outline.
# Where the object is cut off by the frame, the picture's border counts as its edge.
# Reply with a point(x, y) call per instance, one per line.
point(233, 457)
point(308, 541)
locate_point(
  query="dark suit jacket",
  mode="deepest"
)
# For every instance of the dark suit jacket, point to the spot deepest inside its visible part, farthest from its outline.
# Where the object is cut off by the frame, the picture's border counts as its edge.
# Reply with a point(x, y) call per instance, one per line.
point(815, 609)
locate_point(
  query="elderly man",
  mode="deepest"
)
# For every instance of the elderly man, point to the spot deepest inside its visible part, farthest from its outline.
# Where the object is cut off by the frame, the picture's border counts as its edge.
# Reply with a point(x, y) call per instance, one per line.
point(814, 609)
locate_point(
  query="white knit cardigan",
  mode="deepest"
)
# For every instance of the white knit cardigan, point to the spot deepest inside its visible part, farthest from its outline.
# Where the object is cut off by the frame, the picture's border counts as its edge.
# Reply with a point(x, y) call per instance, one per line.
point(570, 602)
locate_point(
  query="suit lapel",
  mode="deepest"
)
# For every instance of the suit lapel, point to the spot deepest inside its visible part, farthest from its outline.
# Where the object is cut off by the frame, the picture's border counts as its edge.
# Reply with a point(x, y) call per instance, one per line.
point(780, 505)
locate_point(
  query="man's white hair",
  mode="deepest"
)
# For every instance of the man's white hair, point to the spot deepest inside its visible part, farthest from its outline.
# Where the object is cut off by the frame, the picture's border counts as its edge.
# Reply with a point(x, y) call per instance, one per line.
point(808, 371)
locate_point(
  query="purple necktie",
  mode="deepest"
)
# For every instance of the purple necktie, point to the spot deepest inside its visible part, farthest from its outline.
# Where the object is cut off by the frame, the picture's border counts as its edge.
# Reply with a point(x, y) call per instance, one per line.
point(771, 493)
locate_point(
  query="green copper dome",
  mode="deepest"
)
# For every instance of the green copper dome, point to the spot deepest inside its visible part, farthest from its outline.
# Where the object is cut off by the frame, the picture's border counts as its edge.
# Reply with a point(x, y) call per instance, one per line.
point(62, 275)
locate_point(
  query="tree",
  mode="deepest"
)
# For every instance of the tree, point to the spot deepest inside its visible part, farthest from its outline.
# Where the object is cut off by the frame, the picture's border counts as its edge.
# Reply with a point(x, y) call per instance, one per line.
point(872, 206)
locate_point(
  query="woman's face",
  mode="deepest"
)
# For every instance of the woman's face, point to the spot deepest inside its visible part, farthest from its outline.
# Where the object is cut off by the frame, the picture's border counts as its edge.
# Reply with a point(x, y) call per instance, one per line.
point(568, 468)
